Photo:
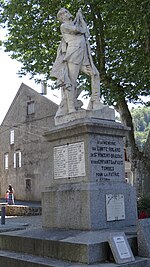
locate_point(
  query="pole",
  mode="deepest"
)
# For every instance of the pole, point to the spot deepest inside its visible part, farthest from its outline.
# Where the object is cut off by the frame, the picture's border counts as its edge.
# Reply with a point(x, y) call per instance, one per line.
point(3, 214)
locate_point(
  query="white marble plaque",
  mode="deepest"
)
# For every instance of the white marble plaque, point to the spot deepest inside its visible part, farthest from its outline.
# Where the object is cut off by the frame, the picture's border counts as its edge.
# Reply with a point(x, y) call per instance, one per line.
point(60, 162)
point(69, 161)
point(122, 248)
point(115, 208)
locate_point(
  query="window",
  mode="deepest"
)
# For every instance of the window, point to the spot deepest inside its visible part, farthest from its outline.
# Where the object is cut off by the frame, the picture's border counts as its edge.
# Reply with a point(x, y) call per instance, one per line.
point(17, 159)
point(30, 108)
point(12, 137)
point(28, 185)
point(6, 161)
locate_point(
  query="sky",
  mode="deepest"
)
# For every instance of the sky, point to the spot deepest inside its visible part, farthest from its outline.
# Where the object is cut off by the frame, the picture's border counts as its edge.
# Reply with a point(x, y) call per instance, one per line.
point(10, 83)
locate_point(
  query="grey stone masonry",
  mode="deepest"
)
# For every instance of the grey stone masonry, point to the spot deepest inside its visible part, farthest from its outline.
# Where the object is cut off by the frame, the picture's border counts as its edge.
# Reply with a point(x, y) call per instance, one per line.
point(88, 190)
point(143, 233)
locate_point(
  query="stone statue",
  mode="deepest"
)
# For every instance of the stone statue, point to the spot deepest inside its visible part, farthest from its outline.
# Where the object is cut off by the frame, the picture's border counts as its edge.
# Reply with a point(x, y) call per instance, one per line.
point(73, 56)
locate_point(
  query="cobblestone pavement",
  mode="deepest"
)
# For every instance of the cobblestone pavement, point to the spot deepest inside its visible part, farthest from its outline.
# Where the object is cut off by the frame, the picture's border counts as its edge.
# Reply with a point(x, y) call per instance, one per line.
point(32, 221)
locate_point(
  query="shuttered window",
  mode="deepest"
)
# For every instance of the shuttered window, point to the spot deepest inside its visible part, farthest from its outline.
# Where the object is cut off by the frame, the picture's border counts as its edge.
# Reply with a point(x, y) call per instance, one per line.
point(30, 108)
point(6, 161)
point(17, 159)
point(12, 137)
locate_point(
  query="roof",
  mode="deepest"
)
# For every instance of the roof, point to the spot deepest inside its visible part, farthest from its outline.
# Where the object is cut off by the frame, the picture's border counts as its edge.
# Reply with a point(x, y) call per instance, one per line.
point(25, 89)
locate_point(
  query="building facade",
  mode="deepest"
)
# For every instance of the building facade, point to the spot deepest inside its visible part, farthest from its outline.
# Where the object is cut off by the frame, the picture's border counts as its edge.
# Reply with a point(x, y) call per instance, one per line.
point(24, 152)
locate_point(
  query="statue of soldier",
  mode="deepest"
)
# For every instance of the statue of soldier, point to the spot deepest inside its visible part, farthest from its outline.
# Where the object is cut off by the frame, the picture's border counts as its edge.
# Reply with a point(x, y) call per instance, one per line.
point(74, 56)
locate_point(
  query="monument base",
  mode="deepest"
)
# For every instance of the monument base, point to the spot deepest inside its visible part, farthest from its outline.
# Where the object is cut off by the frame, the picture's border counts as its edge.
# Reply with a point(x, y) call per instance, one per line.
point(40, 247)
point(105, 113)
point(89, 206)
point(88, 198)
point(88, 189)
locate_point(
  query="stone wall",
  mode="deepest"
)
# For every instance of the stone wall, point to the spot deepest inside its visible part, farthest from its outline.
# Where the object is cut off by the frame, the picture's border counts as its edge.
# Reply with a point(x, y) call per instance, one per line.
point(20, 210)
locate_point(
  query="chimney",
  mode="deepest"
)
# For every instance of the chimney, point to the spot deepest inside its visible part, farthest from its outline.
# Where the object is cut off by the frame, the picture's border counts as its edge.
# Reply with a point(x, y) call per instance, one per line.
point(43, 88)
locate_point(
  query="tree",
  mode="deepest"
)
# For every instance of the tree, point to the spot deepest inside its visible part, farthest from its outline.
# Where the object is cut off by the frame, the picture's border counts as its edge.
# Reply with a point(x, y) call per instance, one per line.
point(120, 32)
point(145, 167)
point(141, 121)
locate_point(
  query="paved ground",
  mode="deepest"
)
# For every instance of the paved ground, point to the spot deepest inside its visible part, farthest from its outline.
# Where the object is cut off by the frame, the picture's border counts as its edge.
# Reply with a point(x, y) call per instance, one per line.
point(21, 222)
point(31, 221)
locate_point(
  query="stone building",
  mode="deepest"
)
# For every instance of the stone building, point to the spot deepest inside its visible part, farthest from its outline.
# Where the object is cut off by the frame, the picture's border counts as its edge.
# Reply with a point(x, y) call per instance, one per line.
point(24, 152)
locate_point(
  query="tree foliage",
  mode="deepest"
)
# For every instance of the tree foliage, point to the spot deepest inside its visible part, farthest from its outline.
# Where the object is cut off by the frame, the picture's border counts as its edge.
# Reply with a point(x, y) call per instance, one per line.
point(144, 204)
point(141, 121)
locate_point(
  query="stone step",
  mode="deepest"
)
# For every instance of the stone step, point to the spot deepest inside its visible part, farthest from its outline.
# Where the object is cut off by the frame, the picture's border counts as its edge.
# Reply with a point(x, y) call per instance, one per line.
point(14, 259)
point(75, 246)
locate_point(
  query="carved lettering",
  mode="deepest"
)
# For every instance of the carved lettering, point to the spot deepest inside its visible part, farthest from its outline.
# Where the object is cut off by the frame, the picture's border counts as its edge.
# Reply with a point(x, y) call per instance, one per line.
point(108, 158)
point(69, 161)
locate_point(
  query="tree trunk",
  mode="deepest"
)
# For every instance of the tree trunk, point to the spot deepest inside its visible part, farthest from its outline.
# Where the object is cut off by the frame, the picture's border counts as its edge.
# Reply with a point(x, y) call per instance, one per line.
point(135, 157)
point(145, 168)
point(131, 147)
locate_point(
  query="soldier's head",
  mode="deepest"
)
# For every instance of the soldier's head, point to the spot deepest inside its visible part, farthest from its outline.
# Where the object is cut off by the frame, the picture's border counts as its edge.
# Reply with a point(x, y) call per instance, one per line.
point(63, 15)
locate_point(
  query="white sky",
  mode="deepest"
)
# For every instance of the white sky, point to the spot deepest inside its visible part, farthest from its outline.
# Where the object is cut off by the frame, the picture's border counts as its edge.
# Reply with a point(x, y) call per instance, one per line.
point(10, 83)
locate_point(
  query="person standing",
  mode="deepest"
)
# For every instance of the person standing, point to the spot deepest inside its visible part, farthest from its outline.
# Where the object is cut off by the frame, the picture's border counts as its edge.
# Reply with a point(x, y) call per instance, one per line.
point(11, 200)
point(7, 195)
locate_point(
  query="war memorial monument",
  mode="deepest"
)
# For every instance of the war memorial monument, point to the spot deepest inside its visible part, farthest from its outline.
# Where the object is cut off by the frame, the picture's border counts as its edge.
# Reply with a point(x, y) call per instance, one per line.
point(89, 199)
point(89, 212)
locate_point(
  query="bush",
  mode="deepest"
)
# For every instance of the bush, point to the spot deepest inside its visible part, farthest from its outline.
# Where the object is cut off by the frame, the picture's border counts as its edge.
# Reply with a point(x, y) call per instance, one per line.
point(144, 204)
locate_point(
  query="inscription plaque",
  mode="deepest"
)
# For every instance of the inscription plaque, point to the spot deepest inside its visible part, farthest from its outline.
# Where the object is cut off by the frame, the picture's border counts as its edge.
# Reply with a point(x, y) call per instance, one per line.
point(115, 208)
point(69, 161)
point(120, 248)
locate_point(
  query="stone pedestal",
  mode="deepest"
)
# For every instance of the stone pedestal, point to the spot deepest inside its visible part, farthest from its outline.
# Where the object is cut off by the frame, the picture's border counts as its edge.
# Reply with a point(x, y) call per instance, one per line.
point(84, 206)
point(88, 189)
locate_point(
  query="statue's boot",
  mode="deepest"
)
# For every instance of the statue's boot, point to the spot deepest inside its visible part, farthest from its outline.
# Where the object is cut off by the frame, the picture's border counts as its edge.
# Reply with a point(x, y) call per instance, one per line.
point(95, 104)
